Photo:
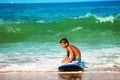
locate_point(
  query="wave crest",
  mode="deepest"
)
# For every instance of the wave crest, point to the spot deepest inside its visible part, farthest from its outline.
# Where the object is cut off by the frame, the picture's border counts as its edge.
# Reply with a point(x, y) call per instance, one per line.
point(80, 29)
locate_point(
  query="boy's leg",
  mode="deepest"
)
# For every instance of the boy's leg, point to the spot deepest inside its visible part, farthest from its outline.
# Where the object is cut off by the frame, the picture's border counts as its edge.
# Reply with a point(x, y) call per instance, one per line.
point(74, 62)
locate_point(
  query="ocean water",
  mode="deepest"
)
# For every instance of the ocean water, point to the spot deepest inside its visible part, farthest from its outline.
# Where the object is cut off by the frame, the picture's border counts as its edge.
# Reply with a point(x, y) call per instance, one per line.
point(30, 34)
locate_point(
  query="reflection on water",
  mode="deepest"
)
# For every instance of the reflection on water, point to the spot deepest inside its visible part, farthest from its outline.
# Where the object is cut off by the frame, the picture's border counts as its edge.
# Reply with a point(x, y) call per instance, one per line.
point(70, 76)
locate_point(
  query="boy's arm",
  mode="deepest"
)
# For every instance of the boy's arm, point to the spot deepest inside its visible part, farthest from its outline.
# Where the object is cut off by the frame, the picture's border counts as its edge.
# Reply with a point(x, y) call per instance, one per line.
point(66, 58)
point(67, 55)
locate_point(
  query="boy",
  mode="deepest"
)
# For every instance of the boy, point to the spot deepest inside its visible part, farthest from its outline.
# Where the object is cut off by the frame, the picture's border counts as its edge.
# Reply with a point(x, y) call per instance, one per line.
point(73, 54)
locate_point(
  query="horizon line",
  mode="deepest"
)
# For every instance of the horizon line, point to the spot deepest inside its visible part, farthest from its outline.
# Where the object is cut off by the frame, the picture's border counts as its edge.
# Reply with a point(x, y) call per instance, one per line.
point(54, 2)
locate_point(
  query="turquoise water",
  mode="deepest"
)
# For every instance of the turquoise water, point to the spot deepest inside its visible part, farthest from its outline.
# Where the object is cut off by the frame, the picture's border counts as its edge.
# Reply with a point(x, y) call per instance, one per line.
point(88, 29)
point(30, 34)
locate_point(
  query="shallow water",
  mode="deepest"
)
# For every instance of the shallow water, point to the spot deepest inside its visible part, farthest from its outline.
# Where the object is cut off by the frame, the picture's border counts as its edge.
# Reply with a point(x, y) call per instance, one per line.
point(29, 36)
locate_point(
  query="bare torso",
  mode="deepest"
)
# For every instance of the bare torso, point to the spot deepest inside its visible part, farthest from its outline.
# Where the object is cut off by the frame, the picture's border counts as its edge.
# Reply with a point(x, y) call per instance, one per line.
point(75, 50)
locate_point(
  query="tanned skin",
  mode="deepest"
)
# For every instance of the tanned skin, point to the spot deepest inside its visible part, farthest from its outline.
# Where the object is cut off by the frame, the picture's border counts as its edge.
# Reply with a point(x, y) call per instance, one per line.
point(72, 52)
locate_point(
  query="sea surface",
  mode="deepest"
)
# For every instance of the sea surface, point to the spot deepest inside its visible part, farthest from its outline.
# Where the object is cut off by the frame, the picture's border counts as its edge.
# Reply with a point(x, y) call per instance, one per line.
point(30, 34)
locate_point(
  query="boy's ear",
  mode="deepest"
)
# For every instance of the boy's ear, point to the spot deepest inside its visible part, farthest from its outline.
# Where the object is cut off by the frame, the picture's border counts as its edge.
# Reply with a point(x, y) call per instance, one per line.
point(66, 43)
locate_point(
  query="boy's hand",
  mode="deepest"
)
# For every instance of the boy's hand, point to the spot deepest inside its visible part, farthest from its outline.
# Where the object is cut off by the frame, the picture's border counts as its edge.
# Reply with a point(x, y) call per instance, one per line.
point(65, 61)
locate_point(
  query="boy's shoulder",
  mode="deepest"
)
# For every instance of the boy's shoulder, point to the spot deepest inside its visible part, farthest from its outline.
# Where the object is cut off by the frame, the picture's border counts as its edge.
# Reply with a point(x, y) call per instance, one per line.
point(74, 47)
point(71, 46)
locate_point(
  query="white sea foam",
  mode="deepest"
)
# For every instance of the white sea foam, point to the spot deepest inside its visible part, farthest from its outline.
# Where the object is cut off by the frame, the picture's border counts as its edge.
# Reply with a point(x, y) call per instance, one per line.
point(98, 18)
point(101, 57)
point(106, 19)
point(85, 16)
point(43, 65)
point(13, 29)
point(41, 21)
point(48, 57)
point(89, 14)
point(77, 28)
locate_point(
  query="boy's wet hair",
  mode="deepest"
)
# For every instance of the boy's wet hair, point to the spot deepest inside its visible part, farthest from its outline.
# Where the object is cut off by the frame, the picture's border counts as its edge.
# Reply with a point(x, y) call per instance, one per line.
point(64, 40)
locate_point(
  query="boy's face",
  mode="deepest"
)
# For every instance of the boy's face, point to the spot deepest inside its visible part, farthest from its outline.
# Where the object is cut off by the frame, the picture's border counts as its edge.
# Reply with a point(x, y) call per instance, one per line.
point(64, 45)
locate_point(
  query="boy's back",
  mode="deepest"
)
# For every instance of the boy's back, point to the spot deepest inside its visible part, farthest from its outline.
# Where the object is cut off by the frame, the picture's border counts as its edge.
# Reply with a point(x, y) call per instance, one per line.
point(75, 50)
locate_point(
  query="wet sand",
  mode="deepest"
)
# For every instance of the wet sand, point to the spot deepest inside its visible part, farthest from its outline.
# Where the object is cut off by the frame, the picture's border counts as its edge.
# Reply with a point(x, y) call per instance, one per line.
point(108, 73)
point(49, 75)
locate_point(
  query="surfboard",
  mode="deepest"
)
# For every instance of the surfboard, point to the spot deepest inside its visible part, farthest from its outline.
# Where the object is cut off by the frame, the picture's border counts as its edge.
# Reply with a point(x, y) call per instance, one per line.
point(70, 67)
